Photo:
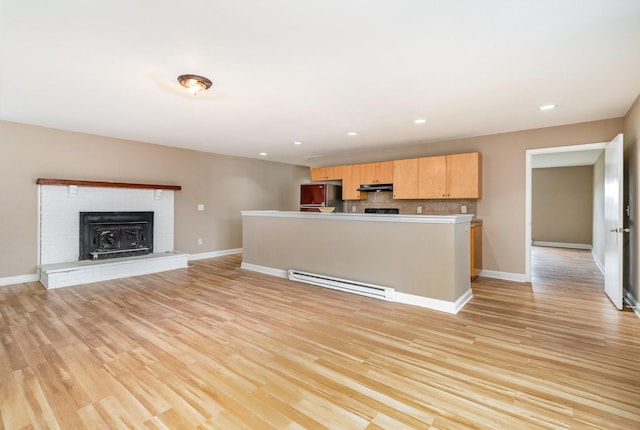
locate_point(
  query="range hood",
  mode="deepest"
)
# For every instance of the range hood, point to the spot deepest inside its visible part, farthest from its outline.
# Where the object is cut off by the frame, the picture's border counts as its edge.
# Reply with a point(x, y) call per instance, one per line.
point(376, 187)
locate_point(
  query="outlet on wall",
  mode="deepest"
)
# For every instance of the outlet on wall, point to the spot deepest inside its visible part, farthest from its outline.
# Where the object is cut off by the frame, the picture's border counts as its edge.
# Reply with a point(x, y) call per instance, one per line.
point(463, 209)
point(353, 208)
point(200, 207)
point(419, 209)
point(200, 241)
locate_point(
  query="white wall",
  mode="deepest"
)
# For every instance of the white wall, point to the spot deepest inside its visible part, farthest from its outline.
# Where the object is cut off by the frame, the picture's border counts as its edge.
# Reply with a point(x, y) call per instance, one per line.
point(599, 227)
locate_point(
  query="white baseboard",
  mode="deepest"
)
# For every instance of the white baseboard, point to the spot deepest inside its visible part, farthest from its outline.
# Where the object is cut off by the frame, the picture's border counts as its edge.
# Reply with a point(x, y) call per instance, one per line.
point(19, 279)
point(598, 263)
point(632, 302)
point(434, 304)
point(265, 270)
point(505, 276)
point(214, 254)
point(562, 244)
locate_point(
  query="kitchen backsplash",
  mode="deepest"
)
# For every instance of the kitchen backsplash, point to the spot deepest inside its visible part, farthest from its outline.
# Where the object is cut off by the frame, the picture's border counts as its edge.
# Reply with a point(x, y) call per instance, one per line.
point(410, 207)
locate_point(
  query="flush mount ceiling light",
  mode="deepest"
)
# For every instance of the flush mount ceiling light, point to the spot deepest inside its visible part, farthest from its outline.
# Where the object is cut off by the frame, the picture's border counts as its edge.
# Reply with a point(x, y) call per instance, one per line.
point(419, 121)
point(195, 83)
point(352, 133)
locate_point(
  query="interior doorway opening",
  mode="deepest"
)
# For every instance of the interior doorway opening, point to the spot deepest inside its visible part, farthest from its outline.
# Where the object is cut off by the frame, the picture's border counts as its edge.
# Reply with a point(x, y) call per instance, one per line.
point(564, 156)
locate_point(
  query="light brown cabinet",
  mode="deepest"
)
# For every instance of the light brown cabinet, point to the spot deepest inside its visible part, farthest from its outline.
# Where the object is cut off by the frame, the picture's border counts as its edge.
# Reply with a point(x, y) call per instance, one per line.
point(405, 179)
point(351, 182)
point(329, 173)
point(377, 173)
point(464, 176)
point(457, 176)
point(432, 177)
point(476, 250)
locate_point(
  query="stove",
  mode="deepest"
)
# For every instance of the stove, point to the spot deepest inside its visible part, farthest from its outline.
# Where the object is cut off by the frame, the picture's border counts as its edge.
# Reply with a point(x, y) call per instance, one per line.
point(381, 210)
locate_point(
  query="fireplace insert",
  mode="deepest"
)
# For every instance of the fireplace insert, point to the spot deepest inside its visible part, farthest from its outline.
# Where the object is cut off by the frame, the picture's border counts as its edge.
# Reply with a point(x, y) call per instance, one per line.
point(115, 234)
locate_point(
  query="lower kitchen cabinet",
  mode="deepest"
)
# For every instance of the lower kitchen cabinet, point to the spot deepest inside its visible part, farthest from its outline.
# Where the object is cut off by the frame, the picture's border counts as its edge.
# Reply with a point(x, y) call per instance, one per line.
point(476, 250)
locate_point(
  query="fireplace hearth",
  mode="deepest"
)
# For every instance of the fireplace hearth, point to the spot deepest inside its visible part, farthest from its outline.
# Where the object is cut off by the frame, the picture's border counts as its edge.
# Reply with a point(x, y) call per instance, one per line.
point(115, 234)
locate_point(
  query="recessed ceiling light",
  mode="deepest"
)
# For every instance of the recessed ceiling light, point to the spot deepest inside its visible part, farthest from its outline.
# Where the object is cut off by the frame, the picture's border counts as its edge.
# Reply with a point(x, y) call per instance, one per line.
point(264, 154)
point(547, 107)
point(420, 121)
point(297, 142)
point(352, 133)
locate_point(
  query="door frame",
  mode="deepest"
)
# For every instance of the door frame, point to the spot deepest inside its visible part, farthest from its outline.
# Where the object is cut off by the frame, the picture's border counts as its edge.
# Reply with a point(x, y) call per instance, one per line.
point(528, 190)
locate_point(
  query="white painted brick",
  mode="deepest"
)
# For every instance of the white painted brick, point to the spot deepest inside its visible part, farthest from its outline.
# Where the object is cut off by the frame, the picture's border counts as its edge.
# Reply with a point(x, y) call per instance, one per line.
point(60, 219)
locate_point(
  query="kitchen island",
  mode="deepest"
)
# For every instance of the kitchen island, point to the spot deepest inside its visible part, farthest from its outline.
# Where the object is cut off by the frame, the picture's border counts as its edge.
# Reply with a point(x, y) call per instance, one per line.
point(413, 259)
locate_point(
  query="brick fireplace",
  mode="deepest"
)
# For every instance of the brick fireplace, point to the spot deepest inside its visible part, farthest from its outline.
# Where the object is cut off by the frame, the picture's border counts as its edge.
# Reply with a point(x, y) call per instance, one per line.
point(63, 204)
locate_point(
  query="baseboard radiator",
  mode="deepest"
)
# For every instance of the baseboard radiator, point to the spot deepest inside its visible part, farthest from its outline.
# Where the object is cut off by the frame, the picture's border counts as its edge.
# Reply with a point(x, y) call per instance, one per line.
point(355, 287)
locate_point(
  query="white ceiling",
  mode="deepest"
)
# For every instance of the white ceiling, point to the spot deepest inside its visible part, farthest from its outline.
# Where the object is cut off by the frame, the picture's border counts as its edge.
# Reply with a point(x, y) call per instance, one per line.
point(311, 71)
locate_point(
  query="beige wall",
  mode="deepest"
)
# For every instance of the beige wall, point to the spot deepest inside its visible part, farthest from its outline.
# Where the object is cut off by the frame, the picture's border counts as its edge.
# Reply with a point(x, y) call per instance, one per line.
point(502, 207)
point(423, 259)
point(632, 196)
point(562, 205)
point(225, 185)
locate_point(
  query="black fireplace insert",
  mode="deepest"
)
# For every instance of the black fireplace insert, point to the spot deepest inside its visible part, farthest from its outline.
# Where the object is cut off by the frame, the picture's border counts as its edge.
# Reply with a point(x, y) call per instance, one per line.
point(115, 234)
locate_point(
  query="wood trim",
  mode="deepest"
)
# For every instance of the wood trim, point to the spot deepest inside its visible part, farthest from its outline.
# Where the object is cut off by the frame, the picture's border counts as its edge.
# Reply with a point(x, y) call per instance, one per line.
point(47, 181)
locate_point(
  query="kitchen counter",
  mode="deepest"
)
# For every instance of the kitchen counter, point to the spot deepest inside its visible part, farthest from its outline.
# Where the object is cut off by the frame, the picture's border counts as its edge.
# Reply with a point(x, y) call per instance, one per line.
point(419, 259)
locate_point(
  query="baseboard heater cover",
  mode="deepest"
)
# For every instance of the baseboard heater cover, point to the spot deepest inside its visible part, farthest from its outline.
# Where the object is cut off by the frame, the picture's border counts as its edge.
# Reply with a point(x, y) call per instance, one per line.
point(355, 287)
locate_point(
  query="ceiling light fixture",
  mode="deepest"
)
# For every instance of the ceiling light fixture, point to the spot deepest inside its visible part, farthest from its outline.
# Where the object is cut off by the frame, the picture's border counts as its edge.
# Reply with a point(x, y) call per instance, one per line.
point(195, 83)
point(547, 107)
point(420, 121)
point(352, 133)
point(297, 142)
point(263, 154)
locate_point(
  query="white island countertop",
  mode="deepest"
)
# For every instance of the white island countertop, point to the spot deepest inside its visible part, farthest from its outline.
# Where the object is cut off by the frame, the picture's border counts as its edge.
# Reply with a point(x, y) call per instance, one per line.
point(348, 216)
point(417, 259)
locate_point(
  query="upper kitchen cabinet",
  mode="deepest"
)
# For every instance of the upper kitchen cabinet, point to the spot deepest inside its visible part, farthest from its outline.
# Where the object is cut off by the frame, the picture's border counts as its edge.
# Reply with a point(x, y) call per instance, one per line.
point(405, 179)
point(457, 176)
point(432, 177)
point(377, 173)
point(351, 182)
point(329, 173)
point(464, 176)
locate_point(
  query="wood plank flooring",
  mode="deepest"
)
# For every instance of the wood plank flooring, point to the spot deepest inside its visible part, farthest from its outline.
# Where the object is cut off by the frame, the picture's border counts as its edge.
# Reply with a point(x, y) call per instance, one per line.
point(217, 347)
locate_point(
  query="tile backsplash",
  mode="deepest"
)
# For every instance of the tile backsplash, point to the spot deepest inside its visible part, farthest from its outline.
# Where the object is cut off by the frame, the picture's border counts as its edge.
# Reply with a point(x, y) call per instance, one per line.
point(410, 207)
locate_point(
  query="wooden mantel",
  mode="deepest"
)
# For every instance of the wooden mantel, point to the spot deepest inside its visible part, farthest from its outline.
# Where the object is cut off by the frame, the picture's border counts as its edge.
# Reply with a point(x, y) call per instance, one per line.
point(47, 181)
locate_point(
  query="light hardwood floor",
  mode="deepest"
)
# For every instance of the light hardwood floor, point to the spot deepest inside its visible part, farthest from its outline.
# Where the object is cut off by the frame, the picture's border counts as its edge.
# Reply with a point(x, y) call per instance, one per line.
point(217, 347)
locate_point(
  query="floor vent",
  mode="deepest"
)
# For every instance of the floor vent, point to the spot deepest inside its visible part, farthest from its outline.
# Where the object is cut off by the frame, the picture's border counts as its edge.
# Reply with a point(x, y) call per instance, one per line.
point(355, 287)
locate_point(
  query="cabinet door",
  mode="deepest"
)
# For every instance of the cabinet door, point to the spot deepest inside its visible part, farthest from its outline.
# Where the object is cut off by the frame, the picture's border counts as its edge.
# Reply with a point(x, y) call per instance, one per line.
point(384, 172)
point(464, 176)
point(333, 173)
point(432, 177)
point(351, 183)
point(476, 250)
point(405, 179)
point(318, 173)
point(329, 173)
point(368, 173)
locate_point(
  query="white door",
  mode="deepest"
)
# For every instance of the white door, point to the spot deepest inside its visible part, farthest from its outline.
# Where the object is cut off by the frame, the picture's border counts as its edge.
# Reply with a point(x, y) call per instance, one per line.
point(613, 209)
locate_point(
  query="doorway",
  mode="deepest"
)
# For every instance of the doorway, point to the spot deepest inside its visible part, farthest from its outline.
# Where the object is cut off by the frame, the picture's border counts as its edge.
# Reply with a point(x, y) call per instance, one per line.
point(563, 156)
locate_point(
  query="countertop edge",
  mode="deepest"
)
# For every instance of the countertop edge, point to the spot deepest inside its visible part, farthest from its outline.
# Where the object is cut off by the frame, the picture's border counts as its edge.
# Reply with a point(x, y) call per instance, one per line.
point(424, 219)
